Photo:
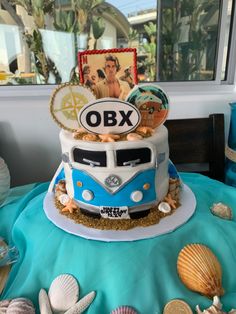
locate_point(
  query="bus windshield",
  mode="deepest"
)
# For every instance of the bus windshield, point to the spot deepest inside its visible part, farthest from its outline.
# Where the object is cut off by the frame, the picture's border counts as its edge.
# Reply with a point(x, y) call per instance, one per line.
point(133, 157)
point(90, 158)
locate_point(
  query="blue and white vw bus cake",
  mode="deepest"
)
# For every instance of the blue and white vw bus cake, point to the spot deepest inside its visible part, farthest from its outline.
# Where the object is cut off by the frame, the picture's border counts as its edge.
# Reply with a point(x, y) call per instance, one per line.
point(117, 178)
point(121, 177)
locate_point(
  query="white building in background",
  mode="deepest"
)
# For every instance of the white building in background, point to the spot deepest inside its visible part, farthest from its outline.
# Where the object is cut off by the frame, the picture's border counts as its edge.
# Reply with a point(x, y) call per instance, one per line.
point(59, 46)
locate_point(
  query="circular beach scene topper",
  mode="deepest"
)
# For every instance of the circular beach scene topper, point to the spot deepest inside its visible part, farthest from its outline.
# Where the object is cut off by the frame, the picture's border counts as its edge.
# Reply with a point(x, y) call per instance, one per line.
point(66, 103)
point(152, 102)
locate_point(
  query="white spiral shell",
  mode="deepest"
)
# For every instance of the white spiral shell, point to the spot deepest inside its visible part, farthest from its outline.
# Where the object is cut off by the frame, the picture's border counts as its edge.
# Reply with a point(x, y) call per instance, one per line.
point(4, 180)
point(63, 293)
point(164, 207)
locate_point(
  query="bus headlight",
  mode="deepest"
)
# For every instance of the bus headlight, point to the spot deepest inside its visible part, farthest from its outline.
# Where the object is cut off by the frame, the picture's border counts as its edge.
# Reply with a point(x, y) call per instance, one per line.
point(136, 196)
point(87, 195)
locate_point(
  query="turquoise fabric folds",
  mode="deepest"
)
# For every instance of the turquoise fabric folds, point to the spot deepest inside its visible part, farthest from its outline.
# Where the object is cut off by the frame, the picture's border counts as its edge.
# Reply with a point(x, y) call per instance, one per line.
point(141, 274)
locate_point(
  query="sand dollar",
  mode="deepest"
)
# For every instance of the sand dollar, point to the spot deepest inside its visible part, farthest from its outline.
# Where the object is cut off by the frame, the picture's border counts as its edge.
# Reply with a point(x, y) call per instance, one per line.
point(177, 307)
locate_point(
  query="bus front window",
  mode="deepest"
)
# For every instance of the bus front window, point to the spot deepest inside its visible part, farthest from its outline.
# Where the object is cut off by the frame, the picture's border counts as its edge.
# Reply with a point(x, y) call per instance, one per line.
point(91, 158)
point(133, 157)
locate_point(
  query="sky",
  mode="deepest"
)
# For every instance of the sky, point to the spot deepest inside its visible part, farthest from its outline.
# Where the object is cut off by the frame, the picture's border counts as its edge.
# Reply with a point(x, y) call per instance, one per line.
point(129, 6)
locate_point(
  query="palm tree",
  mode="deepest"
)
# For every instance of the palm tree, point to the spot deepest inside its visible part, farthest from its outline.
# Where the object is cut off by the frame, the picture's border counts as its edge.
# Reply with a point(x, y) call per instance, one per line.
point(38, 9)
point(98, 27)
point(87, 11)
point(132, 36)
point(150, 48)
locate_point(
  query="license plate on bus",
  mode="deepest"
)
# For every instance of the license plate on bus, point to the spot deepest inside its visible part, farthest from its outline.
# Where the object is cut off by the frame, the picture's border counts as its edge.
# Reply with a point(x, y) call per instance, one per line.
point(114, 212)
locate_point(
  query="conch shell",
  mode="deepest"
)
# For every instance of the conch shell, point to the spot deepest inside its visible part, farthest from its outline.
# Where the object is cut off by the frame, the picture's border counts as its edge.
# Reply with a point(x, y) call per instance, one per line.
point(199, 270)
point(215, 308)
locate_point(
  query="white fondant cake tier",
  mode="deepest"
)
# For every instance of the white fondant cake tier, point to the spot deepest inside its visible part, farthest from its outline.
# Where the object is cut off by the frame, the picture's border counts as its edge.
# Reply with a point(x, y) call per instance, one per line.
point(116, 178)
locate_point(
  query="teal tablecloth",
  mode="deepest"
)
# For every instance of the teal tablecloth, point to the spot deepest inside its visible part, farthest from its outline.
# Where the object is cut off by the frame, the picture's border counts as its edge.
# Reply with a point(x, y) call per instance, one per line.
point(141, 274)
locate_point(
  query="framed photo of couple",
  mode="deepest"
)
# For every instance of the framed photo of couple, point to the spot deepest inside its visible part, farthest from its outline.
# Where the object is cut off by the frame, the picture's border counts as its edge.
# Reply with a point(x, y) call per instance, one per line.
point(109, 73)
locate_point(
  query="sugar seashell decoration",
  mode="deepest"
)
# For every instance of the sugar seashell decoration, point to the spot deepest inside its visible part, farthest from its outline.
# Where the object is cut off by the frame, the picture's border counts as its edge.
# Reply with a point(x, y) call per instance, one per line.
point(44, 303)
point(200, 270)
point(108, 137)
point(221, 210)
point(63, 293)
point(20, 306)
point(64, 199)
point(164, 207)
point(82, 305)
point(4, 181)
point(124, 310)
point(134, 137)
point(90, 137)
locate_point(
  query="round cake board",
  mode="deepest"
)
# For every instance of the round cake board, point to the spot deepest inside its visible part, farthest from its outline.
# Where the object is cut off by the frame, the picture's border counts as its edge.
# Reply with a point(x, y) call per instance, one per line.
point(166, 225)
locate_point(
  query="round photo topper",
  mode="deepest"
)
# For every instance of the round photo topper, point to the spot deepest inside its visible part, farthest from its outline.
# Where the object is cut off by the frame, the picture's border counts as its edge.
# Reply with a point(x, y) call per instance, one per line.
point(66, 103)
point(152, 103)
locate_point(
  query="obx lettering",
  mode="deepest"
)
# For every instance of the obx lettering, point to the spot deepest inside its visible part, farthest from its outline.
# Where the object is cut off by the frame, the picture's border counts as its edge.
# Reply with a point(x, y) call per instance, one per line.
point(109, 116)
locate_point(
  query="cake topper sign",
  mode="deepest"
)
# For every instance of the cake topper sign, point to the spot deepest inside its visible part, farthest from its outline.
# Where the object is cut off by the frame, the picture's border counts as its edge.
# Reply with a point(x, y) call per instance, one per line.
point(152, 102)
point(109, 116)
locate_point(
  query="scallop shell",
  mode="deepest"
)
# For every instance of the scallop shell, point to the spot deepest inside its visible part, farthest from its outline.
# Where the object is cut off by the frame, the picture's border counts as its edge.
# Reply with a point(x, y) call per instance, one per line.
point(4, 181)
point(63, 293)
point(134, 137)
point(21, 306)
point(124, 310)
point(82, 305)
point(44, 304)
point(89, 137)
point(164, 207)
point(221, 210)
point(200, 270)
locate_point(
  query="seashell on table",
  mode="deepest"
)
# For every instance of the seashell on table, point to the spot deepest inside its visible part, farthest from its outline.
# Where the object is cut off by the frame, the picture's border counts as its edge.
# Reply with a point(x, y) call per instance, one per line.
point(124, 309)
point(221, 210)
point(63, 293)
point(20, 306)
point(200, 270)
point(82, 305)
point(4, 305)
point(44, 303)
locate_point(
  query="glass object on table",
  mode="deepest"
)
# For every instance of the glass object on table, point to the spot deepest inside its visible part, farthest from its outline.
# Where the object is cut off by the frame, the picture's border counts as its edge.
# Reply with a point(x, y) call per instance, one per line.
point(230, 151)
point(4, 180)
point(8, 254)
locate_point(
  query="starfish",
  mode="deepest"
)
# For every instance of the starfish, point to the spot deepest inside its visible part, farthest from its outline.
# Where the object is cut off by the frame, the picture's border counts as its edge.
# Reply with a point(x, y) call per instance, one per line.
point(170, 201)
point(109, 137)
point(70, 206)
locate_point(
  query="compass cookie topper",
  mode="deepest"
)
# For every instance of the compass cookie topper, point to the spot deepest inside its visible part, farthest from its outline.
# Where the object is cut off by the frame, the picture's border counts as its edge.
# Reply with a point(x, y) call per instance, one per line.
point(152, 102)
point(66, 103)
